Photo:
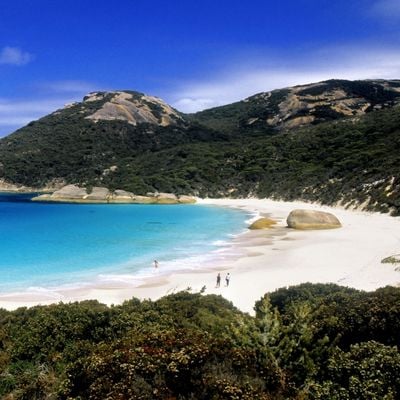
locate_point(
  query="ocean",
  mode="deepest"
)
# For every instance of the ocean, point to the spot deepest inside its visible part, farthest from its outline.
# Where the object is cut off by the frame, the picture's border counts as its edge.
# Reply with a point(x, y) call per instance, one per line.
point(47, 245)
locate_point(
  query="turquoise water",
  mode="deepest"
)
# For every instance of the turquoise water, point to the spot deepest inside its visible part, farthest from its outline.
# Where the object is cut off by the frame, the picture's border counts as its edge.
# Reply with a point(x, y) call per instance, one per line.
point(47, 245)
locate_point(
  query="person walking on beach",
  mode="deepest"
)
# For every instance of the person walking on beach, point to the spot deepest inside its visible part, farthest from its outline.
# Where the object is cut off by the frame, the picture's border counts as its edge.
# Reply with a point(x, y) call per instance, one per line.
point(227, 278)
point(155, 264)
point(218, 280)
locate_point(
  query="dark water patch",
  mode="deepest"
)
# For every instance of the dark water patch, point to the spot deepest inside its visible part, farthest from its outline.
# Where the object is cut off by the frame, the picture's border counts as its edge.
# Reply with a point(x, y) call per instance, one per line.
point(16, 197)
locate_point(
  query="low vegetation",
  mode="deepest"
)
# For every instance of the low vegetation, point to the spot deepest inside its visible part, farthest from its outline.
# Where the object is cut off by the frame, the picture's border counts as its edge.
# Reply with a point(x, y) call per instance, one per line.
point(304, 342)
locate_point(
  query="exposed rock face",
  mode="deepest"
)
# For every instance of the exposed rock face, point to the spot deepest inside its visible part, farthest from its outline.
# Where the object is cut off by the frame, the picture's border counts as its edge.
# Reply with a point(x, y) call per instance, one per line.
point(166, 198)
point(133, 108)
point(309, 219)
point(306, 104)
point(169, 198)
point(98, 193)
point(71, 192)
point(262, 223)
point(122, 196)
point(186, 199)
point(52, 185)
point(10, 187)
point(76, 194)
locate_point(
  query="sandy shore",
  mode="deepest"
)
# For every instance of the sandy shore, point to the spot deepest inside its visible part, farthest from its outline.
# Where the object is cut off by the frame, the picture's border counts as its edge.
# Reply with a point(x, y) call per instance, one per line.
point(261, 261)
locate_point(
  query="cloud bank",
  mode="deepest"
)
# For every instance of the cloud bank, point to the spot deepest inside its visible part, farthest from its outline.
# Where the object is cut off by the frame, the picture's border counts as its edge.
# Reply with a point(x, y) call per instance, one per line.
point(69, 86)
point(41, 99)
point(14, 56)
point(14, 112)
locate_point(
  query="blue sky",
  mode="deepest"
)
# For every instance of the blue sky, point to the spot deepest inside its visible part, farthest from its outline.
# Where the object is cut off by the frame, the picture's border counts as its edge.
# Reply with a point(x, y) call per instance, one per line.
point(193, 54)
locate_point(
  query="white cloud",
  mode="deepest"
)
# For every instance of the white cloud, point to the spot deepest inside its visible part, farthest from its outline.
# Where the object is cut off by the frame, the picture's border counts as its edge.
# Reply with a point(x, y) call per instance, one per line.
point(192, 104)
point(69, 86)
point(18, 113)
point(386, 8)
point(240, 82)
point(15, 113)
point(14, 56)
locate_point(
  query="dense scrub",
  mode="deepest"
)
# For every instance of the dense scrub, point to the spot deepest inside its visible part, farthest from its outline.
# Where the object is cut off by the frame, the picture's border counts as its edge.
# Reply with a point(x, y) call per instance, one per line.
point(305, 342)
point(353, 161)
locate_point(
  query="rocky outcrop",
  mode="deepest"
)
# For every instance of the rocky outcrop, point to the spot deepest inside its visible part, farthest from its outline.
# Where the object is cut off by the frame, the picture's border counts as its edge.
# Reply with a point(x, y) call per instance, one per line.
point(262, 223)
point(51, 186)
point(317, 102)
point(186, 199)
point(76, 194)
point(134, 108)
point(69, 192)
point(170, 198)
point(309, 219)
point(98, 193)
point(11, 187)
point(166, 198)
point(122, 196)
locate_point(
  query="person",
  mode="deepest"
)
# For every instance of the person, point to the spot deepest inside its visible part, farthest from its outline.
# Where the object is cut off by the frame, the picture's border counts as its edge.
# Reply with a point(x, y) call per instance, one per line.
point(155, 264)
point(227, 278)
point(218, 280)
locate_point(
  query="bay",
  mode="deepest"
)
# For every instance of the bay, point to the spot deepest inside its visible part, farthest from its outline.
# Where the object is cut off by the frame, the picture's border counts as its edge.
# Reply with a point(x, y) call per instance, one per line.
point(45, 244)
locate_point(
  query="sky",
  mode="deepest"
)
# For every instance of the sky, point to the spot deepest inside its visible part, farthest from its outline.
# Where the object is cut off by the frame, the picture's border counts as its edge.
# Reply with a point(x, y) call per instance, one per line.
point(193, 54)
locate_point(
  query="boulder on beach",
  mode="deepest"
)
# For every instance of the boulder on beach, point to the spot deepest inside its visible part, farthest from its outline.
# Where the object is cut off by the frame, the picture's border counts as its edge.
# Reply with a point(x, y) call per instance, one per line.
point(262, 223)
point(183, 199)
point(69, 192)
point(98, 193)
point(76, 194)
point(122, 193)
point(166, 198)
point(143, 199)
point(310, 219)
point(121, 196)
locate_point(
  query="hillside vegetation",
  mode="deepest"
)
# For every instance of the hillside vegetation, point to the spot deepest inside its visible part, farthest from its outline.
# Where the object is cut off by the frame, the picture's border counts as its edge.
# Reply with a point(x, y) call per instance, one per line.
point(305, 342)
point(349, 161)
point(290, 108)
point(350, 153)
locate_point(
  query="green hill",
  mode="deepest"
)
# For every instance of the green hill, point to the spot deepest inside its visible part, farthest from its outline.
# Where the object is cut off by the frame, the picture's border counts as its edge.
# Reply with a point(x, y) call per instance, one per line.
point(84, 142)
point(127, 140)
point(290, 108)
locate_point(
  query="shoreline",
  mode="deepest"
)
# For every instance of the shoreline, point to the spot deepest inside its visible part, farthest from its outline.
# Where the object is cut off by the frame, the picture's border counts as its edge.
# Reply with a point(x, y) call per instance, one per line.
point(261, 261)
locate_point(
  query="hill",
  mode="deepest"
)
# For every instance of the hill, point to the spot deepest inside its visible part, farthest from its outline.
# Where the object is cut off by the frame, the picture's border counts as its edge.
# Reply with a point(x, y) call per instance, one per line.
point(290, 108)
point(85, 142)
point(127, 140)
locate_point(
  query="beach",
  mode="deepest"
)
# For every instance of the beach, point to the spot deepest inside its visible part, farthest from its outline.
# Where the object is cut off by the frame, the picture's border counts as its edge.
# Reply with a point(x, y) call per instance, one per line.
point(261, 261)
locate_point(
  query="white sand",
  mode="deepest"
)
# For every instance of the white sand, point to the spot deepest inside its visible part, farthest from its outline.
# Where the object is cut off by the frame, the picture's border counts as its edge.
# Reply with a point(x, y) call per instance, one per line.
point(261, 261)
